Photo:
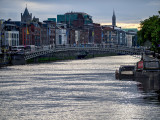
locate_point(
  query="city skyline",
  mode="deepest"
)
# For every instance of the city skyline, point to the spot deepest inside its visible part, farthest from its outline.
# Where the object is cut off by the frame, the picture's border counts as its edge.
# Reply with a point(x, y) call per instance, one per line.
point(128, 13)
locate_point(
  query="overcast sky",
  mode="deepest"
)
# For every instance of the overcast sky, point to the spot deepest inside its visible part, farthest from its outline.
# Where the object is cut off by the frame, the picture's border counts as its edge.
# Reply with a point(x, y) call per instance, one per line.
point(128, 12)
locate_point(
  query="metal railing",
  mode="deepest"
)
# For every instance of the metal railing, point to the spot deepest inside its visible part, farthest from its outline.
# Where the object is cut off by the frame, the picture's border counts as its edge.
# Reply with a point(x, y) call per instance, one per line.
point(113, 48)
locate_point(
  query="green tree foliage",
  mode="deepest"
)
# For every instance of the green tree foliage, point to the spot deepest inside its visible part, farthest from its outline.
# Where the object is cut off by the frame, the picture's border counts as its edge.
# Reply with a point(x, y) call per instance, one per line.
point(150, 31)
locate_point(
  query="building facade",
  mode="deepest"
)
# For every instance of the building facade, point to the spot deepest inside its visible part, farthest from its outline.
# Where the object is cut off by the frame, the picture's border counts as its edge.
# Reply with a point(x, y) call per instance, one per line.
point(113, 35)
point(61, 34)
point(44, 37)
point(11, 35)
point(71, 29)
point(1, 34)
point(75, 19)
point(131, 37)
point(71, 37)
point(97, 34)
point(31, 34)
point(51, 31)
point(12, 38)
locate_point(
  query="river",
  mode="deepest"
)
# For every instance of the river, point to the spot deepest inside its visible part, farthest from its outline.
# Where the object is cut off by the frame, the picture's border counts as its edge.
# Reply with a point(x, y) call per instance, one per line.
point(74, 90)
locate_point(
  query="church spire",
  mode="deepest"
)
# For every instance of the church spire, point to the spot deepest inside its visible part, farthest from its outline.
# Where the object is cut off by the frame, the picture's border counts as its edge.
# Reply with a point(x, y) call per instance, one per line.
point(114, 19)
point(26, 17)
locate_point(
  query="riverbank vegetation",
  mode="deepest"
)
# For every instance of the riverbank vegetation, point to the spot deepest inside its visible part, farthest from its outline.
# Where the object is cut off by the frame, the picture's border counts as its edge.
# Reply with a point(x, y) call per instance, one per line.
point(150, 31)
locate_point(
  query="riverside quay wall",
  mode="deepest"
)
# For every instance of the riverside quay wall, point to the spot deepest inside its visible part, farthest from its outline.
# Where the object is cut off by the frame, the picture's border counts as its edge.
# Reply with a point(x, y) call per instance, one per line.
point(19, 59)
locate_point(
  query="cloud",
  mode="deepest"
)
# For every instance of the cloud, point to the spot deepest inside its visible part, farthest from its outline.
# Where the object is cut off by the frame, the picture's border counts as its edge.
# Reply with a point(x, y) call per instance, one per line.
point(10, 9)
point(44, 11)
point(127, 11)
point(124, 25)
point(48, 7)
point(154, 3)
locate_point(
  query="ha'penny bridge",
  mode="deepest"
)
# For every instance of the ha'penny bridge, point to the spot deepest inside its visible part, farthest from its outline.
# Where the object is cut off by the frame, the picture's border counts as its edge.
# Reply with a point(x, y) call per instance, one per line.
point(117, 50)
point(76, 51)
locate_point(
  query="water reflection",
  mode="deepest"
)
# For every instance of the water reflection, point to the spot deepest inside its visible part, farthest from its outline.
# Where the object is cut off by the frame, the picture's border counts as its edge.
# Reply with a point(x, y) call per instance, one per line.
point(72, 90)
point(149, 84)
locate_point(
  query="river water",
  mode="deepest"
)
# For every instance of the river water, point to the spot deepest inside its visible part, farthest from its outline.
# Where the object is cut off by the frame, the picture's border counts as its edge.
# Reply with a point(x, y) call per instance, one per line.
point(74, 90)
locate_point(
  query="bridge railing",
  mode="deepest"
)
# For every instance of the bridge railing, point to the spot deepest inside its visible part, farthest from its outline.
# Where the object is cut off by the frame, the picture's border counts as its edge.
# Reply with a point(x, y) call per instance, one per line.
point(109, 47)
point(113, 48)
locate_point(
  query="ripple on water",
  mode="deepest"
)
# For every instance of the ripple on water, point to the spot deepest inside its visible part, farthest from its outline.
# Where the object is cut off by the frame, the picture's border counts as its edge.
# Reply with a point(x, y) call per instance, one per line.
point(74, 90)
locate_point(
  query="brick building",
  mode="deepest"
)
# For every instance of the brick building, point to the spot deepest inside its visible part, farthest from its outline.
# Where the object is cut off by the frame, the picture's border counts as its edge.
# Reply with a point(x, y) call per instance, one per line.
point(31, 34)
point(97, 34)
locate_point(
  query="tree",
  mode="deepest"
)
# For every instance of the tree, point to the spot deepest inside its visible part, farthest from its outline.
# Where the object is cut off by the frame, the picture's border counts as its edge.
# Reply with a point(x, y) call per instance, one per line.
point(150, 30)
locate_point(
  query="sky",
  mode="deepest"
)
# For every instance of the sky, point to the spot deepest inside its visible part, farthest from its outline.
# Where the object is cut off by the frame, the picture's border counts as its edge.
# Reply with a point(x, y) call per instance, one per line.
point(128, 13)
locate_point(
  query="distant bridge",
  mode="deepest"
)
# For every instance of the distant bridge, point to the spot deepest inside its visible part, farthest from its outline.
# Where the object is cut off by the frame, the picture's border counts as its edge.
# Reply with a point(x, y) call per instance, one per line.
point(114, 49)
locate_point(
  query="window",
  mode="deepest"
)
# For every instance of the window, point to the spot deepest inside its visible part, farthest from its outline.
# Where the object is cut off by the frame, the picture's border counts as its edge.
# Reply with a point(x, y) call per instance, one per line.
point(17, 42)
point(12, 42)
point(6, 35)
point(9, 35)
point(12, 35)
point(60, 39)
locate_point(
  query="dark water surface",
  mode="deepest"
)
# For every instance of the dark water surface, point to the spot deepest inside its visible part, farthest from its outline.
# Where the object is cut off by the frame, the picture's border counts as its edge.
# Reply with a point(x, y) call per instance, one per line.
point(74, 90)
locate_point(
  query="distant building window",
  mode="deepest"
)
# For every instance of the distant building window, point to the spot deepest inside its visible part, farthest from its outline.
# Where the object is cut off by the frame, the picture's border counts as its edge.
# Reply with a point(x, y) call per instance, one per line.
point(12, 44)
point(14, 35)
point(9, 35)
point(60, 39)
point(6, 35)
